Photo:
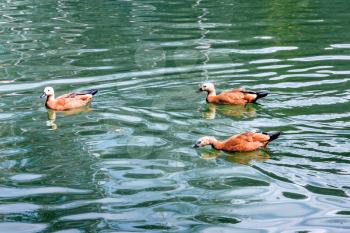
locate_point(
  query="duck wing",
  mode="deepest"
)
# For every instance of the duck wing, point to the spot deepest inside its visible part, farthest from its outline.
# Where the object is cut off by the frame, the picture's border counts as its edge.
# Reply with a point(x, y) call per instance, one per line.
point(72, 100)
point(68, 95)
point(260, 137)
point(233, 90)
point(232, 97)
point(243, 142)
point(80, 93)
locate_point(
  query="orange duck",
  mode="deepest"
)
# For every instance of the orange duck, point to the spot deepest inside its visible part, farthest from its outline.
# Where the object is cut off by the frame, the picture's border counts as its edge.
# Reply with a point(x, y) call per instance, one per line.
point(239, 143)
point(234, 96)
point(67, 101)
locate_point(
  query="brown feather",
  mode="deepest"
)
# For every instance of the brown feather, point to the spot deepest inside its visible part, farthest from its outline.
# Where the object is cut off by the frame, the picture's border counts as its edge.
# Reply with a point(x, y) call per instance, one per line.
point(232, 97)
point(68, 101)
point(245, 142)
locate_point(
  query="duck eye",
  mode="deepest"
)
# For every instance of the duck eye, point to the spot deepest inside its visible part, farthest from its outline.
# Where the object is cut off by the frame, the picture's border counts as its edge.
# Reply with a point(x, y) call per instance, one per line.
point(205, 86)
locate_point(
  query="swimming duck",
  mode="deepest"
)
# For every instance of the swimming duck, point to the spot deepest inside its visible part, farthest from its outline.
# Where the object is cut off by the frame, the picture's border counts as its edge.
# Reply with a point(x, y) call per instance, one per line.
point(234, 96)
point(67, 101)
point(248, 141)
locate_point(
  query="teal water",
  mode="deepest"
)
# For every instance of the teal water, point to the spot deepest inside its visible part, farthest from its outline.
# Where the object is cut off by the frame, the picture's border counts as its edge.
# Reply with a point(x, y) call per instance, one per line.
point(126, 164)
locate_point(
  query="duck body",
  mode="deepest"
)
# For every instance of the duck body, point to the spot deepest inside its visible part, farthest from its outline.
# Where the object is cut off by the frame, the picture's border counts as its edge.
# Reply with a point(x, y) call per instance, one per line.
point(243, 142)
point(67, 101)
point(234, 96)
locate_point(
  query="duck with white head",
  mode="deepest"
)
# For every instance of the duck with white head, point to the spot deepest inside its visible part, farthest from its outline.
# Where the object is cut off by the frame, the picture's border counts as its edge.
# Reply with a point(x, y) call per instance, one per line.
point(244, 142)
point(67, 101)
point(234, 96)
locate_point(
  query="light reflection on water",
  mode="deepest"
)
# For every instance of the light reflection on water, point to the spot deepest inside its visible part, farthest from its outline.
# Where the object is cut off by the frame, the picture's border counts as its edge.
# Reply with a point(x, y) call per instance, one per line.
point(126, 162)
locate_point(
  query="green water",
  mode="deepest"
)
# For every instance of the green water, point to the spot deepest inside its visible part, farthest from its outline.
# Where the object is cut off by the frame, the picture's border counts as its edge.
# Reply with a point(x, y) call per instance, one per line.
point(126, 164)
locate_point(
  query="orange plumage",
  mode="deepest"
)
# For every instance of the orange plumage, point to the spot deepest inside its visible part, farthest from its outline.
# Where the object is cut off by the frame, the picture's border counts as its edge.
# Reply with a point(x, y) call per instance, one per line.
point(248, 141)
point(234, 96)
point(67, 101)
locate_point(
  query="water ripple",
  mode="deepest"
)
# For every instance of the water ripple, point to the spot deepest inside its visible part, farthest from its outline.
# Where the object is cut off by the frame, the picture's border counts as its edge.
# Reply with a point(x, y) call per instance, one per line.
point(126, 164)
point(22, 192)
point(18, 227)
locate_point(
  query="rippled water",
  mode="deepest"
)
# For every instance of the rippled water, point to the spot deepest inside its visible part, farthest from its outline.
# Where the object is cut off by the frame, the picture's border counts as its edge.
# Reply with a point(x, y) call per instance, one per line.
point(126, 164)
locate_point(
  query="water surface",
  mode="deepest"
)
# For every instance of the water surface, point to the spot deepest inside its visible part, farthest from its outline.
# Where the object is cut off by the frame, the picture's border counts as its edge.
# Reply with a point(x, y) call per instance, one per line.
point(126, 163)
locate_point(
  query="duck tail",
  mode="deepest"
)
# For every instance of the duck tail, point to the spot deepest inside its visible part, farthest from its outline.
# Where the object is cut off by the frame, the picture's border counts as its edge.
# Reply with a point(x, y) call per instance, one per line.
point(259, 94)
point(91, 92)
point(273, 135)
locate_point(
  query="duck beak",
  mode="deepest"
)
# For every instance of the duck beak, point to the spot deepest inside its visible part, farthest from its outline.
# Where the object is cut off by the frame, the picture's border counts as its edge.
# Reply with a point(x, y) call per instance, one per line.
point(195, 146)
point(43, 95)
point(199, 90)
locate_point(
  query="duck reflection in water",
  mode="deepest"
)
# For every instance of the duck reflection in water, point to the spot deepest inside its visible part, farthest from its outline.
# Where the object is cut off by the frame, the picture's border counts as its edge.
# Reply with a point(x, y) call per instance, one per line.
point(238, 157)
point(238, 111)
point(52, 114)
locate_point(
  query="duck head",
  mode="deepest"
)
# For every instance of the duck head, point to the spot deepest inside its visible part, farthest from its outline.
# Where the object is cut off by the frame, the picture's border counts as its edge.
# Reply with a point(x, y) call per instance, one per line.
point(208, 87)
point(204, 141)
point(48, 91)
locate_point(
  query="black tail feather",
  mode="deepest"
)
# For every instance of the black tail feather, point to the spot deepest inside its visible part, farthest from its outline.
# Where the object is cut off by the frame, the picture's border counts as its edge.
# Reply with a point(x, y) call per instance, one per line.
point(273, 135)
point(91, 92)
point(259, 94)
